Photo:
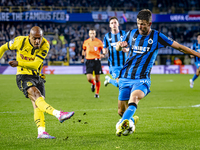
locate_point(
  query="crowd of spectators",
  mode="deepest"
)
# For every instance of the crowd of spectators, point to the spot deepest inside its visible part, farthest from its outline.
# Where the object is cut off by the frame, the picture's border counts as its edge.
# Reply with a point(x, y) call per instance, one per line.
point(72, 35)
point(178, 6)
point(163, 6)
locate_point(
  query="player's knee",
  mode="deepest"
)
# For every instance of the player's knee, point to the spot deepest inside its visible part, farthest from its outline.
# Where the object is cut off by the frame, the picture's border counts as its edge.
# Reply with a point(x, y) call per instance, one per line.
point(34, 92)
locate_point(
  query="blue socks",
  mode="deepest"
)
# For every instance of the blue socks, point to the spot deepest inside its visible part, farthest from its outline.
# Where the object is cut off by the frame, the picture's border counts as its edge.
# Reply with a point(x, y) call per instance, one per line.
point(114, 82)
point(194, 77)
point(128, 114)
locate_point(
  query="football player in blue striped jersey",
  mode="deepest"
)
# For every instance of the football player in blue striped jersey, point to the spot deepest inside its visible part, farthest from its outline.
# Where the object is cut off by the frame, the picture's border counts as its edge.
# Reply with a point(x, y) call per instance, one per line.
point(116, 59)
point(134, 78)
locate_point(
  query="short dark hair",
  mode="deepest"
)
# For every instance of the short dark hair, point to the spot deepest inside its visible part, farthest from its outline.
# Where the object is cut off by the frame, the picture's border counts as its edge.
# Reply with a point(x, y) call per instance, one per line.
point(198, 33)
point(145, 14)
point(113, 18)
point(92, 29)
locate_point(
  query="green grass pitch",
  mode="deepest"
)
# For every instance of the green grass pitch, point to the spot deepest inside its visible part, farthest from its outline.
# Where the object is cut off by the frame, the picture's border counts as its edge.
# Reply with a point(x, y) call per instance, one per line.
point(169, 116)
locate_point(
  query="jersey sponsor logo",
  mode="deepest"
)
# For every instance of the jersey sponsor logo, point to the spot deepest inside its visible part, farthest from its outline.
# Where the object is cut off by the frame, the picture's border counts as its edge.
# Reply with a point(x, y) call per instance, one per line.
point(140, 49)
point(27, 58)
point(113, 44)
point(29, 84)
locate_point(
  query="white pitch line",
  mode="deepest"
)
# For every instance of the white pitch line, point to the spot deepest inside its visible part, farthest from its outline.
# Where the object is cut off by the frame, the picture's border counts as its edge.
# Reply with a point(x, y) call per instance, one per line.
point(178, 107)
point(170, 80)
point(196, 105)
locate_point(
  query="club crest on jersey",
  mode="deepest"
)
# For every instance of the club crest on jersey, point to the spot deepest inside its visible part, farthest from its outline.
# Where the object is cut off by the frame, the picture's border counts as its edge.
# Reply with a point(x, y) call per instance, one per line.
point(150, 41)
point(11, 42)
point(95, 48)
point(29, 84)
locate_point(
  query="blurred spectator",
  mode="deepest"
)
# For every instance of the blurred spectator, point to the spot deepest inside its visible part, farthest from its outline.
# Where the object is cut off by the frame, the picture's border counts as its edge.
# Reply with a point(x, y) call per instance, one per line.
point(64, 49)
point(177, 61)
point(53, 58)
point(72, 53)
point(187, 60)
point(168, 60)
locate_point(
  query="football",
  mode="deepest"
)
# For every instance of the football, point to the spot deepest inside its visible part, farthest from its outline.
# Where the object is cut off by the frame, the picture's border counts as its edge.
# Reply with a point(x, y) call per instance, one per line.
point(130, 130)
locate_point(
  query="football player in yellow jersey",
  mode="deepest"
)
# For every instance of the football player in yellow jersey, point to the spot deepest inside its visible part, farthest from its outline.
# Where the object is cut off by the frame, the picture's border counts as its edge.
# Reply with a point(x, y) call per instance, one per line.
point(31, 51)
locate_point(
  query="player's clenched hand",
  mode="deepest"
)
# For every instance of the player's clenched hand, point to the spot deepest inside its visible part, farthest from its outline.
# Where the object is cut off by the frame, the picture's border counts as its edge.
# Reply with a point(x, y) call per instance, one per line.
point(82, 60)
point(13, 63)
point(123, 44)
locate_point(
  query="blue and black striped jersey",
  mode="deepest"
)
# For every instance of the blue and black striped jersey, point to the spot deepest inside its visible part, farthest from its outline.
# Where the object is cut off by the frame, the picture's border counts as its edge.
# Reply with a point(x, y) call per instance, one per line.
point(196, 47)
point(142, 53)
point(116, 58)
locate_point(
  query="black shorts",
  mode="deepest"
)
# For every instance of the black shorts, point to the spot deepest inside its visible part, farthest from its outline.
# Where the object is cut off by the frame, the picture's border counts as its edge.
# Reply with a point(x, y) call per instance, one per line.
point(93, 65)
point(24, 82)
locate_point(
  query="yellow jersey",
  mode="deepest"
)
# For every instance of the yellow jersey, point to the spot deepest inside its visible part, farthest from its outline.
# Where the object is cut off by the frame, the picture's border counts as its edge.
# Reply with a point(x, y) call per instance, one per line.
point(30, 60)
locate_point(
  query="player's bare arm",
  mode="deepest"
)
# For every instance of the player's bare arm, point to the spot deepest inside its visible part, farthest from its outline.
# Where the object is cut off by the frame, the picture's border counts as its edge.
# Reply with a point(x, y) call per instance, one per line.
point(184, 49)
point(105, 51)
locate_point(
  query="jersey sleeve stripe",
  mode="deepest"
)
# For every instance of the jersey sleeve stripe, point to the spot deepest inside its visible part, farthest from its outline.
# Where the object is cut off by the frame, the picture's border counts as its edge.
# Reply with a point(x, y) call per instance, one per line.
point(40, 57)
point(162, 41)
point(23, 43)
point(42, 44)
point(8, 46)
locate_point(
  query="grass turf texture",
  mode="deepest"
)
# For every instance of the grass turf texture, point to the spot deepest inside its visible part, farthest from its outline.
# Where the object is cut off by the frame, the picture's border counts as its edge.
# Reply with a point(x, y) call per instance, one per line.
point(168, 118)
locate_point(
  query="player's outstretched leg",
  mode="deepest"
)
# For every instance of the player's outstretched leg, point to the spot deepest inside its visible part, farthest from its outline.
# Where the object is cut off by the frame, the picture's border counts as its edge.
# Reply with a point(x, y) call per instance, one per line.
point(65, 115)
point(61, 115)
point(191, 83)
point(92, 88)
point(107, 79)
point(45, 135)
point(122, 127)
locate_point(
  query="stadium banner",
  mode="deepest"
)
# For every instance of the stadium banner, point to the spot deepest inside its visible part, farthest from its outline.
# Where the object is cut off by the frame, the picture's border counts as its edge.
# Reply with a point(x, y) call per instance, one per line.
point(104, 16)
point(156, 69)
point(99, 16)
point(58, 16)
point(175, 18)
point(62, 70)
point(81, 17)
point(61, 16)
